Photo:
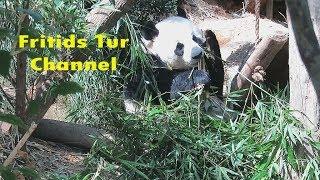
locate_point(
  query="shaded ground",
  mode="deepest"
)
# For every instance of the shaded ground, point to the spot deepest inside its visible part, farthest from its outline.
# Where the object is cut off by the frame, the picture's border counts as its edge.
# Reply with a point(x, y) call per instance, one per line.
point(49, 159)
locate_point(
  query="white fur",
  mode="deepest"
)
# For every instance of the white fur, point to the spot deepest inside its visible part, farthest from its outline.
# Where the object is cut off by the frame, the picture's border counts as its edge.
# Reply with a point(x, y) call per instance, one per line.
point(171, 31)
point(132, 106)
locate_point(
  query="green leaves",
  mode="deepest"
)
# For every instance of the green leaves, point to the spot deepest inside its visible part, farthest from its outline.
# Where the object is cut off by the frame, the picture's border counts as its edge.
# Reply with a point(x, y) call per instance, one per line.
point(33, 107)
point(66, 88)
point(5, 61)
point(32, 174)
point(4, 33)
point(12, 119)
point(8, 173)
point(35, 15)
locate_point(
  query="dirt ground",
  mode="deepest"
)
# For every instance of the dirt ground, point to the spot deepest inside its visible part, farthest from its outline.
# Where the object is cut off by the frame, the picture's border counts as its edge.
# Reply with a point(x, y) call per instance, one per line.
point(47, 158)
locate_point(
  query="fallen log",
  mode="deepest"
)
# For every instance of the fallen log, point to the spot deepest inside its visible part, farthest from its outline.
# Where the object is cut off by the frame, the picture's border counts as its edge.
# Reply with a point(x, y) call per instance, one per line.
point(71, 134)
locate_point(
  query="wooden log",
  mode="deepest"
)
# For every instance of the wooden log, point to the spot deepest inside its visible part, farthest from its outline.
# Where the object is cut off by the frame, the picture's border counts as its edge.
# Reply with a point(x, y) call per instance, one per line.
point(103, 19)
point(262, 56)
point(71, 134)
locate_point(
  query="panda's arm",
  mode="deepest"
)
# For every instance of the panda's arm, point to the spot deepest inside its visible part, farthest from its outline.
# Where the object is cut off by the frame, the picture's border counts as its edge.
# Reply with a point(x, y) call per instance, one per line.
point(215, 64)
point(212, 43)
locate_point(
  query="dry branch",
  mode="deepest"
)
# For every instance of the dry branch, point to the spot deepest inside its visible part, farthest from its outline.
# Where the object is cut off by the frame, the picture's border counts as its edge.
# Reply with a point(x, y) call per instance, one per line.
point(20, 144)
point(262, 56)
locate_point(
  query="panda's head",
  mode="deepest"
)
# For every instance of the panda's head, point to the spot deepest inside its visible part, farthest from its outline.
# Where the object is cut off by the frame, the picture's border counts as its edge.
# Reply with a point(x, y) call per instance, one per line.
point(176, 41)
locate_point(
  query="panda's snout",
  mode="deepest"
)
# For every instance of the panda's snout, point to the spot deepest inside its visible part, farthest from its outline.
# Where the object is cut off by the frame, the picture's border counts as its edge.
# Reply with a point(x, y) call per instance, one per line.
point(179, 51)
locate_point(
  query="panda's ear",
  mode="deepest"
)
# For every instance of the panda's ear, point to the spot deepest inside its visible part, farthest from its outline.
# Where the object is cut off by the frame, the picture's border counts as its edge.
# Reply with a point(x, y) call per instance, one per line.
point(149, 31)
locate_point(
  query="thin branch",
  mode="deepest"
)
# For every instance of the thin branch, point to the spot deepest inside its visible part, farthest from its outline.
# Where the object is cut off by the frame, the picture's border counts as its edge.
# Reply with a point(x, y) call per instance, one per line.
point(257, 14)
point(20, 144)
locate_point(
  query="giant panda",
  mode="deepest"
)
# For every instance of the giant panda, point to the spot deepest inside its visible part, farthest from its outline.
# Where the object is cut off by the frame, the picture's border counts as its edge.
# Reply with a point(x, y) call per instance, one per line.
point(176, 47)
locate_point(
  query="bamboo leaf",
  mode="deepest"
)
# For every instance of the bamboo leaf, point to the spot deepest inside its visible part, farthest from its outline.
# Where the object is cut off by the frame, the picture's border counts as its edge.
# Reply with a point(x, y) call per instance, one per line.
point(29, 173)
point(5, 61)
point(6, 173)
point(12, 119)
point(66, 88)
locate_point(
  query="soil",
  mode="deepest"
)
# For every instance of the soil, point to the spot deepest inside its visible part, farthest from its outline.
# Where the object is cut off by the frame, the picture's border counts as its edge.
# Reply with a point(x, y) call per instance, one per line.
point(47, 158)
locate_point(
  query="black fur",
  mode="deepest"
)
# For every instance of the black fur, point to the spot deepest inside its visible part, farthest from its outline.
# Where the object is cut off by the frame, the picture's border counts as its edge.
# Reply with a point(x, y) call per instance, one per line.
point(214, 64)
point(186, 81)
point(149, 31)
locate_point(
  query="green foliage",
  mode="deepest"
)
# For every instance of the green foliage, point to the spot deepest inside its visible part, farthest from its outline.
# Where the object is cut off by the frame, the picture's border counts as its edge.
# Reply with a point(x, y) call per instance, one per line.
point(181, 141)
point(12, 119)
point(6, 173)
point(65, 88)
point(47, 17)
point(152, 10)
point(166, 142)
point(176, 141)
point(5, 60)
point(29, 173)
point(10, 174)
point(102, 88)
point(33, 107)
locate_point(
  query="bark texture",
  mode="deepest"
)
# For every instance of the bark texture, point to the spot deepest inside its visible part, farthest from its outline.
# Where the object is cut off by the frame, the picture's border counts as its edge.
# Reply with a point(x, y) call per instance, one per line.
point(269, 9)
point(21, 71)
point(71, 134)
point(103, 19)
point(304, 61)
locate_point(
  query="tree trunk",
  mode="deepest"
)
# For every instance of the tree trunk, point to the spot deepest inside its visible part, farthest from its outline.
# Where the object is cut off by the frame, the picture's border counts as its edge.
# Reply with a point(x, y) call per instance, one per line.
point(304, 61)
